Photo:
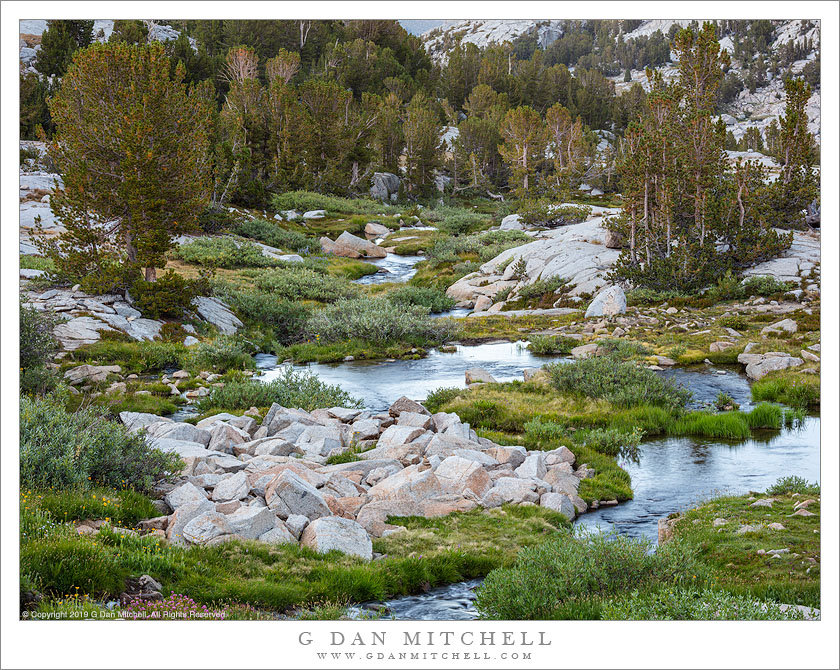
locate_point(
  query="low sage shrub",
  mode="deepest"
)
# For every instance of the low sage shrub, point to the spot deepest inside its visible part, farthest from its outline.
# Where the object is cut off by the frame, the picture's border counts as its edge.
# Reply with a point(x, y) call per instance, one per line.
point(568, 575)
point(622, 383)
point(437, 399)
point(374, 320)
point(286, 318)
point(300, 389)
point(222, 252)
point(222, 354)
point(793, 484)
point(544, 345)
point(305, 201)
point(273, 235)
point(64, 449)
point(434, 299)
point(37, 343)
point(542, 213)
point(678, 604)
point(305, 284)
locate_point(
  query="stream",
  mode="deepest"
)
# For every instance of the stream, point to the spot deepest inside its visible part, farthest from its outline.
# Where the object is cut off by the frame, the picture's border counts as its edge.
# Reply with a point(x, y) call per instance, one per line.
point(673, 474)
point(393, 268)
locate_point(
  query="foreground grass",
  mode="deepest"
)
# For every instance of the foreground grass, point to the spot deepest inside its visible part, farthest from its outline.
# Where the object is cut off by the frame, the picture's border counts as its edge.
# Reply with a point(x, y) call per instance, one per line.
point(734, 559)
point(707, 571)
point(789, 387)
point(280, 577)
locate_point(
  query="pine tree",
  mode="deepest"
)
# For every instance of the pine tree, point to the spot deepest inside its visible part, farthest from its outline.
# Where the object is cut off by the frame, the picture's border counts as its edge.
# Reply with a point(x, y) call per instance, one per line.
point(131, 31)
point(422, 145)
point(388, 135)
point(797, 186)
point(568, 147)
point(687, 217)
point(525, 138)
point(131, 147)
point(701, 66)
point(243, 121)
point(59, 42)
point(33, 106)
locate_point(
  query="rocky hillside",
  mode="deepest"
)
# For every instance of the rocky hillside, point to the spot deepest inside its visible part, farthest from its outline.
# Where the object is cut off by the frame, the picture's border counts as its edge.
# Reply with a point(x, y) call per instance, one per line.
point(484, 32)
point(749, 108)
point(31, 31)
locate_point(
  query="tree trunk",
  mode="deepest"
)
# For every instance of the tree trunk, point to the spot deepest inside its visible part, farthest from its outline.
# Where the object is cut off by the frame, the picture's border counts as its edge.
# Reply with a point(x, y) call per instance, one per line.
point(151, 274)
point(130, 249)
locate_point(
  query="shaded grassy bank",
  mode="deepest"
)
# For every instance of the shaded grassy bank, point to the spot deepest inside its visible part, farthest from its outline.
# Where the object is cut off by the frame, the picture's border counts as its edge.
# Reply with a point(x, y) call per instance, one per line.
point(276, 578)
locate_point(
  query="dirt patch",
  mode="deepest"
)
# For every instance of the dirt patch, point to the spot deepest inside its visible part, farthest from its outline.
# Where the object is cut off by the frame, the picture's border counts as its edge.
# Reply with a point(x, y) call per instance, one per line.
point(31, 40)
point(35, 194)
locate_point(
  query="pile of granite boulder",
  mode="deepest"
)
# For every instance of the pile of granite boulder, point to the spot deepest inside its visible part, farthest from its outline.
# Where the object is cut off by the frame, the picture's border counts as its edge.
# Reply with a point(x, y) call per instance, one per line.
point(270, 481)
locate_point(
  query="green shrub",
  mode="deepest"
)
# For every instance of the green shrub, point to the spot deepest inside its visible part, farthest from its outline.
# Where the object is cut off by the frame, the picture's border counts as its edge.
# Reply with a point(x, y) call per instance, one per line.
point(133, 356)
point(620, 382)
point(374, 320)
point(672, 603)
point(170, 296)
point(563, 576)
point(793, 484)
point(435, 400)
point(728, 287)
point(541, 432)
point(302, 390)
point(725, 402)
point(275, 236)
point(622, 349)
point(541, 287)
point(222, 354)
point(612, 441)
point(214, 220)
point(306, 201)
point(37, 343)
point(461, 222)
point(542, 213)
point(286, 318)
point(733, 321)
point(765, 285)
point(431, 298)
point(486, 245)
point(61, 449)
point(544, 345)
point(304, 284)
point(223, 252)
point(39, 381)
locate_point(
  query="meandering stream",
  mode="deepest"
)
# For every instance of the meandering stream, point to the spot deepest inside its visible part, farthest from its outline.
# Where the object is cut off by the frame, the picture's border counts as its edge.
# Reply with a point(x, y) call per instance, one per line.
point(673, 474)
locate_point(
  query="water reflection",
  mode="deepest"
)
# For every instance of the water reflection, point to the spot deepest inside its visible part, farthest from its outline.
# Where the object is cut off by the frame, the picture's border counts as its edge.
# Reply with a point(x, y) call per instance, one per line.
point(674, 474)
point(380, 383)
